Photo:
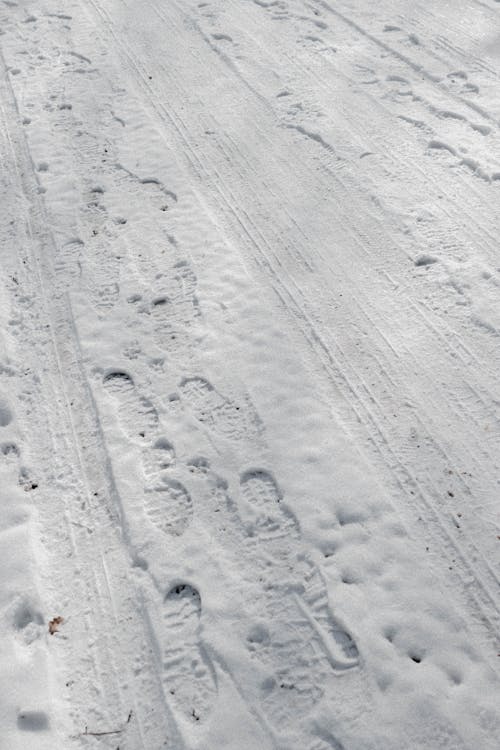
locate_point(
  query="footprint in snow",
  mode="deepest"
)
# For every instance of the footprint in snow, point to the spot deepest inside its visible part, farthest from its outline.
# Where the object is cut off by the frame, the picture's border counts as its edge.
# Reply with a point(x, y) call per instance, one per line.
point(292, 631)
point(137, 415)
point(233, 420)
point(168, 506)
point(175, 309)
point(189, 677)
point(68, 264)
point(276, 540)
point(5, 412)
point(26, 619)
point(167, 503)
point(10, 451)
point(304, 642)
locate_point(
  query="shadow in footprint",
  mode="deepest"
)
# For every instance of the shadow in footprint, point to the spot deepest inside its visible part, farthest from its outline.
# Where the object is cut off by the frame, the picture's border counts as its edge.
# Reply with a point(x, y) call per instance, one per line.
point(157, 458)
point(329, 743)
point(5, 413)
point(10, 451)
point(33, 721)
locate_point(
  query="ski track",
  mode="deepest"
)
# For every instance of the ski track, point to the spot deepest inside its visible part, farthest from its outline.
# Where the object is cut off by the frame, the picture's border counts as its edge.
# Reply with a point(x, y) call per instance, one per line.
point(189, 299)
point(86, 502)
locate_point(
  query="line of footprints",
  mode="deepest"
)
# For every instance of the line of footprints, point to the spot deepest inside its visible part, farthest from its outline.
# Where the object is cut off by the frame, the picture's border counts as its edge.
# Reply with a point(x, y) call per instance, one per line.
point(293, 635)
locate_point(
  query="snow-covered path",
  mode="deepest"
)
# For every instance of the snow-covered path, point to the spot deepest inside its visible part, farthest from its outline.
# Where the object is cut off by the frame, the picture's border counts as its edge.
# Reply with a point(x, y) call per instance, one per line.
point(249, 356)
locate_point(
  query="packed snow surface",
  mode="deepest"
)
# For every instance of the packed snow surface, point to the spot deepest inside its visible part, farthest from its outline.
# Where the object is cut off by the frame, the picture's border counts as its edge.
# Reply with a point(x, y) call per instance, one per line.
point(249, 374)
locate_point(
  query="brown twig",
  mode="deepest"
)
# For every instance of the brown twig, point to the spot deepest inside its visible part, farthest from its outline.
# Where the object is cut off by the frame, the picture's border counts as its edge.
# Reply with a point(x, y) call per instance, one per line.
point(104, 734)
point(99, 734)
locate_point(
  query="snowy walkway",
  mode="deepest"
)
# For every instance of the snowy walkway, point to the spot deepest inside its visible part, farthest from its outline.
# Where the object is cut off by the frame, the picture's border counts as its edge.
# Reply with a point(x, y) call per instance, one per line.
point(249, 374)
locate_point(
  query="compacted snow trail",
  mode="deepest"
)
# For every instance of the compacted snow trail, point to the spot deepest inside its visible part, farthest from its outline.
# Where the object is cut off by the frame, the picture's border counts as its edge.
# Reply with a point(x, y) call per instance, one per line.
point(249, 402)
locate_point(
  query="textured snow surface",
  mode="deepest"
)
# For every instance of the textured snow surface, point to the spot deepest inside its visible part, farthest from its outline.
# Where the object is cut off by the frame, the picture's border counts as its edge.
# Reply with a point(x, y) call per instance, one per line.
point(249, 374)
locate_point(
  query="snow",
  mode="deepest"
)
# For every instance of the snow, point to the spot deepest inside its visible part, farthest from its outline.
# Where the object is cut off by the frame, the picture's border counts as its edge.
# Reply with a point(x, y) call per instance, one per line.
point(249, 403)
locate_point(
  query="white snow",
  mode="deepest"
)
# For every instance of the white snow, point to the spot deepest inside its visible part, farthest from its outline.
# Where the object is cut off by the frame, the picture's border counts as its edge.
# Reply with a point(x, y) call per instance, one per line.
point(249, 392)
